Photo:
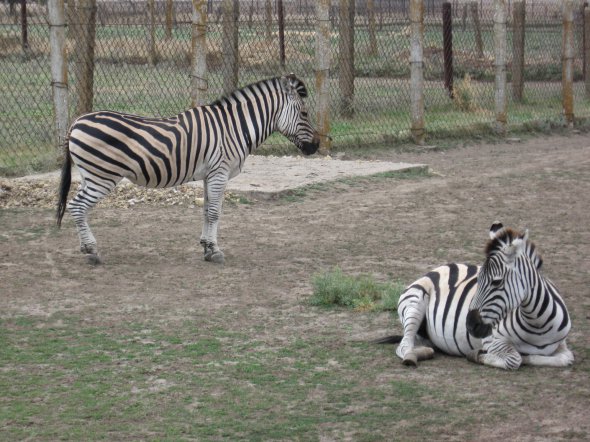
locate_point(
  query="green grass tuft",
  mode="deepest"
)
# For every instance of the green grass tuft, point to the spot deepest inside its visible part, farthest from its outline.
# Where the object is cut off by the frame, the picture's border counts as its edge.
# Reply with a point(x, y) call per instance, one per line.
point(362, 293)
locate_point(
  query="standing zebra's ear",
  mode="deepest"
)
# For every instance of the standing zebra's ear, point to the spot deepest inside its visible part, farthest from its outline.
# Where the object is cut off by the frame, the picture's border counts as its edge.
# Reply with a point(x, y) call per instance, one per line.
point(496, 229)
point(291, 84)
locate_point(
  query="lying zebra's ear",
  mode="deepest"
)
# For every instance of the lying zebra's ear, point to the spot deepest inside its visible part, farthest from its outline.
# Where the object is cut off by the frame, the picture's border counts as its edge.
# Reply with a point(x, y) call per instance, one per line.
point(495, 229)
point(516, 248)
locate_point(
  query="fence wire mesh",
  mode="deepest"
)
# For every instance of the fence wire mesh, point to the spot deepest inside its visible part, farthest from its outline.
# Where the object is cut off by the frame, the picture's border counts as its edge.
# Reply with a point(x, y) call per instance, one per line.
point(139, 61)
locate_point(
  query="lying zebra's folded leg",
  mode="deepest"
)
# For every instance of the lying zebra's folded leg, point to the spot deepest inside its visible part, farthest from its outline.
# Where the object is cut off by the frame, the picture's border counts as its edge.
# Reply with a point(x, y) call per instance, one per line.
point(411, 354)
point(562, 357)
point(412, 309)
point(498, 353)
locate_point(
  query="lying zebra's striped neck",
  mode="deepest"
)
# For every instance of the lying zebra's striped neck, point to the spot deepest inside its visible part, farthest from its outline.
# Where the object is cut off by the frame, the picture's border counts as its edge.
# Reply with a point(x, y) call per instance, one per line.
point(542, 307)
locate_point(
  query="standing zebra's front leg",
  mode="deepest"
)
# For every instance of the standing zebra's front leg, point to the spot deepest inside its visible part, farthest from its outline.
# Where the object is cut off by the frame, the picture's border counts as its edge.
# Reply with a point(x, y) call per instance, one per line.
point(214, 187)
point(204, 230)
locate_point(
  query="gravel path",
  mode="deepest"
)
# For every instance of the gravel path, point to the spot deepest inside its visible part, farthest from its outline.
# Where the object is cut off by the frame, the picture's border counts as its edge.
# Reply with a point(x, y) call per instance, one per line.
point(262, 177)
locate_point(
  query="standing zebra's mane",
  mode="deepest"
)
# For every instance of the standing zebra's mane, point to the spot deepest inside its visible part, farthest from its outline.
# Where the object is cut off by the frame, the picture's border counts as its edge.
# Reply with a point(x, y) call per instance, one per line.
point(239, 96)
point(506, 237)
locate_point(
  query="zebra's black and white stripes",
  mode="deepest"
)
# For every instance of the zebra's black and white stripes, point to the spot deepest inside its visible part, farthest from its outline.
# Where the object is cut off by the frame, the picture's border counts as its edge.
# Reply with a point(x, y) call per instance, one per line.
point(208, 143)
point(503, 314)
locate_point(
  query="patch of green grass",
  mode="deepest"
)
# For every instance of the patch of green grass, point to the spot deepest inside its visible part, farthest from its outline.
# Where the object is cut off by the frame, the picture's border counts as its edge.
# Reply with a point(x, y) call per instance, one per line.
point(362, 292)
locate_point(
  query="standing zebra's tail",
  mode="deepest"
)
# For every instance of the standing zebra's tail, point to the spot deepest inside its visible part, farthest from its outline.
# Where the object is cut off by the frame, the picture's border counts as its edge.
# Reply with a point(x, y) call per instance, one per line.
point(64, 187)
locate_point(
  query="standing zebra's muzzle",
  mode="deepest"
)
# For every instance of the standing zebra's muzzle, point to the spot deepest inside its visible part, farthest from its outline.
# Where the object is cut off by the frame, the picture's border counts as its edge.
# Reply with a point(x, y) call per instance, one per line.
point(310, 147)
point(475, 325)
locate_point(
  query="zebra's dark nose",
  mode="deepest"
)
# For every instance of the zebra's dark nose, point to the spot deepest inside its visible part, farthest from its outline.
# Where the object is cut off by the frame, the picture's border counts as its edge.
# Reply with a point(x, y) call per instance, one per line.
point(475, 325)
point(309, 148)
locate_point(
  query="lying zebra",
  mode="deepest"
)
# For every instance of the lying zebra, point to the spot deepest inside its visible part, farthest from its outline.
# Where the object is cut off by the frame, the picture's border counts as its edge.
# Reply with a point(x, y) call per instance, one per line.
point(208, 143)
point(503, 314)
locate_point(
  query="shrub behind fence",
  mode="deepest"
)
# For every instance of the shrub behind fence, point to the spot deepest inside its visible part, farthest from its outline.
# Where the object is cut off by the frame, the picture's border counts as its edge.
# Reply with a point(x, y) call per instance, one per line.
point(137, 56)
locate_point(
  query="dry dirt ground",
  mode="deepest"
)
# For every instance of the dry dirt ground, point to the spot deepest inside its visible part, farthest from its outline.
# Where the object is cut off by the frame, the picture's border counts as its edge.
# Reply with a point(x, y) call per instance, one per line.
point(392, 228)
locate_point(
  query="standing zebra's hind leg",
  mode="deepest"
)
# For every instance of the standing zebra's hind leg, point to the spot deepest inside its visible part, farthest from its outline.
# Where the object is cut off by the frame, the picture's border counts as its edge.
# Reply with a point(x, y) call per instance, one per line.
point(79, 206)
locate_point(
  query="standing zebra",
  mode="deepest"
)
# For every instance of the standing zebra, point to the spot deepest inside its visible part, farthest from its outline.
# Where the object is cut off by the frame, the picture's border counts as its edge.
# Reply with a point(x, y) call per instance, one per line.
point(503, 314)
point(208, 143)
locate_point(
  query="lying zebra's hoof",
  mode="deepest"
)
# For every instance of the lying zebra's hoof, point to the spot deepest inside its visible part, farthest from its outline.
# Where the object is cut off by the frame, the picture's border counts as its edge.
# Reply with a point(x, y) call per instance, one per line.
point(93, 259)
point(424, 353)
point(473, 356)
point(410, 360)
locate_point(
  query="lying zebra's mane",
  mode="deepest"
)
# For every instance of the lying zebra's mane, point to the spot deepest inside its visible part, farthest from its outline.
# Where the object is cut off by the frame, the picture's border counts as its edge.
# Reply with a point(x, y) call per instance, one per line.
point(239, 96)
point(506, 237)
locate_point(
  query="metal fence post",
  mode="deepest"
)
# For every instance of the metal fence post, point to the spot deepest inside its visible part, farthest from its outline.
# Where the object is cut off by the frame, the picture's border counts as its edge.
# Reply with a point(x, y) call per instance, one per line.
point(568, 62)
point(59, 68)
point(416, 70)
point(500, 64)
point(322, 74)
point(199, 84)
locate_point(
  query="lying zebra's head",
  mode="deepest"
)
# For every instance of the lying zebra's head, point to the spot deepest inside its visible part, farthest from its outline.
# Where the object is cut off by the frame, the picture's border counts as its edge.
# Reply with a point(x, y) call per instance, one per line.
point(504, 279)
point(293, 119)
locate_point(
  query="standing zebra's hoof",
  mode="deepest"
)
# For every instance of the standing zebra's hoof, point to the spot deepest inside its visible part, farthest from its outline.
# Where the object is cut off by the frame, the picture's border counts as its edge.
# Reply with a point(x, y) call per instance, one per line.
point(216, 257)
point(93, 259)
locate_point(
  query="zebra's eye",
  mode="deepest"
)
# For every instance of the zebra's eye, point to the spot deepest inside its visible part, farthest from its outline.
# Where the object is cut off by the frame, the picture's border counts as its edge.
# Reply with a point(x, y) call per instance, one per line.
point(497, 282)
point(304, 114)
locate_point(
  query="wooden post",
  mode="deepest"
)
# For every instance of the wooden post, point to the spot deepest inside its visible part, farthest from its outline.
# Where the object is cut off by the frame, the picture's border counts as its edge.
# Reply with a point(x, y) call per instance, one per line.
point(518, 36)
point(268, 20)
point(199, 53)
point(84, 51)
point(24, 26)
point(477, 29)
point(230, 44)
point(169, 8)
point(59, 68)
point(568, 63)
point(417, 70)
point(281, 13)
point(322, 74)
point(72, 19)
point(346, 77)
point(371, 19)
point(587, 51)
point(448, 46)
point(500, 65)
point(151, 37)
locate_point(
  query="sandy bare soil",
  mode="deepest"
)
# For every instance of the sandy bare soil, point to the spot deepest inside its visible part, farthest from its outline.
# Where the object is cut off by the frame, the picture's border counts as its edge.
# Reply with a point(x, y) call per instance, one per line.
point(389, 227)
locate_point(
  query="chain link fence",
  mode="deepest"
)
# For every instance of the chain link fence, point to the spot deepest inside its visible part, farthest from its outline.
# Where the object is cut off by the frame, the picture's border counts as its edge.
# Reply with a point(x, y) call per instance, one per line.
point(136, 56)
